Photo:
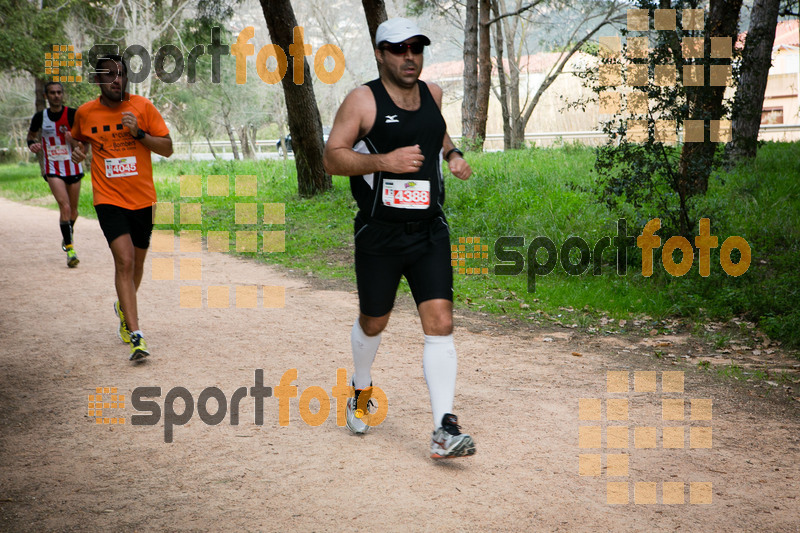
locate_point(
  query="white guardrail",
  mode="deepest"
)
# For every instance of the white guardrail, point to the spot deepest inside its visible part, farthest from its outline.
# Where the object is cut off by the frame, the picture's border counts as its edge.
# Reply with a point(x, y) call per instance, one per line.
point(267, 148)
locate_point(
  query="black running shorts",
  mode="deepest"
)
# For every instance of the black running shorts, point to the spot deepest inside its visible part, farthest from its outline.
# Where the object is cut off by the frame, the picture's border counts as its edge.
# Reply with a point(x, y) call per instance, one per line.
point(116, 221)
point(423, 257)
point(69, 180)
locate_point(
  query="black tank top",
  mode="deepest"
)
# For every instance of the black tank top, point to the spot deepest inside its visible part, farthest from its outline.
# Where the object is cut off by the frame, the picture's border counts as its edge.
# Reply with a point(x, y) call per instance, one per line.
point(394, 128)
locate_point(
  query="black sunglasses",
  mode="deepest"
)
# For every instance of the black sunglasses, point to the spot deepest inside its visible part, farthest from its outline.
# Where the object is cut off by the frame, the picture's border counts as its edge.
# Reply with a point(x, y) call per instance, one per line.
point(399, 49)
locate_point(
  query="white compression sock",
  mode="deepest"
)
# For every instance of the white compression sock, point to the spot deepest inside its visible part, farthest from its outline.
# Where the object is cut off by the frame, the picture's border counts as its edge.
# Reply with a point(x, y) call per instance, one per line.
point(364, 350)
point(439, 364)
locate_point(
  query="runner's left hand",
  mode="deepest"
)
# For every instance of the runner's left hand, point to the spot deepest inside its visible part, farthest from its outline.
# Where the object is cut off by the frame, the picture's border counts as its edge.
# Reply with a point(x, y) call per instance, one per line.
point(78, 149)
point(129, 121)
point(460, 168)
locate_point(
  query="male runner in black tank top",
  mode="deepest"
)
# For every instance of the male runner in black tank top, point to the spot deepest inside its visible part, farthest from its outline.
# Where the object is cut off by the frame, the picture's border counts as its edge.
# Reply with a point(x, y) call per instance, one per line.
point(388, 136)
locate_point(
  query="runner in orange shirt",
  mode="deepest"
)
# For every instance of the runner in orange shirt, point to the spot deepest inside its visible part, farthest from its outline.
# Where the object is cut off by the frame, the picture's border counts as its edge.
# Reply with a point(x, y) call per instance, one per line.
point(123, 130)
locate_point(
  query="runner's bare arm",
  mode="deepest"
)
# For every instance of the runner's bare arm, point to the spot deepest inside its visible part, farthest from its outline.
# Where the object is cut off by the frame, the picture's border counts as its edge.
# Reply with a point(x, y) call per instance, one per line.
point(457, 165)
point(35, 146)
point(354, 120)
point(160, 145)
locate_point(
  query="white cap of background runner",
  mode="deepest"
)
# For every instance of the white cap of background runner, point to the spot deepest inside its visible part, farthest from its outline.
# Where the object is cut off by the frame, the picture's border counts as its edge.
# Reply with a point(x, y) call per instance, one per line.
point(397, 30)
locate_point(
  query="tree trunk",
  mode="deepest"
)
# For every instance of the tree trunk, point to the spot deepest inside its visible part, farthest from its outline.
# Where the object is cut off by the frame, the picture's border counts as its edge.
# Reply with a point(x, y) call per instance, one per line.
point(518, 134)
point(231, 136)
point(705, 103)
point(282, 140)
point(375, 11)
point(244, 139)
point(301, 106)
point(510, 27)
point(469, 102)
point(210, 146)
point(756, 62)
point(41, 104)
point(254, 138)
point(501, 77)
point(38, 86)
point(484, 73)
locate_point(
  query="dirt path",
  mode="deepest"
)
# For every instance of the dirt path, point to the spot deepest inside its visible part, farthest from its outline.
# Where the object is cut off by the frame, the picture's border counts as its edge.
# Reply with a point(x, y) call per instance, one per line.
point(517, 395)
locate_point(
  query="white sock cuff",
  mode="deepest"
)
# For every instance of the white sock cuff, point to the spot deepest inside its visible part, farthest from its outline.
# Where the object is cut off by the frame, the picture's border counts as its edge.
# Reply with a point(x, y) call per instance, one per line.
point(364, 350)
point(439, 339)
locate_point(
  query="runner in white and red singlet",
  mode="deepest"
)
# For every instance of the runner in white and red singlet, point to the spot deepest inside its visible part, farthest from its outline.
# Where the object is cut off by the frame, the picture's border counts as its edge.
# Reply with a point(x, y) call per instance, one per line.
point(63, 176)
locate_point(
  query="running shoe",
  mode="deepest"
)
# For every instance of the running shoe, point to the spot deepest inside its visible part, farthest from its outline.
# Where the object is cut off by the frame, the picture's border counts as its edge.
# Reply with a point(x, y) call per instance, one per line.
point(448, 441)
point(138, 347)
point(123, 332)
point(354, 415)
point(72, 257)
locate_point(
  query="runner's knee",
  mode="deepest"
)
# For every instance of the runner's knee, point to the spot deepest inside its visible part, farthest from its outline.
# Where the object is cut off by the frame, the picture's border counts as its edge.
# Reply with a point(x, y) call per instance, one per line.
point(124, 264)
point(373, 325)
point(64, 210)
point(441, 325)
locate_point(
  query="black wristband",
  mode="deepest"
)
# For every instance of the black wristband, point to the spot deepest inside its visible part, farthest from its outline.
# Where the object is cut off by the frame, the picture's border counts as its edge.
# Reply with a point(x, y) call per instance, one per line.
point(31, 141)
point(456, 150)
point(140, 135)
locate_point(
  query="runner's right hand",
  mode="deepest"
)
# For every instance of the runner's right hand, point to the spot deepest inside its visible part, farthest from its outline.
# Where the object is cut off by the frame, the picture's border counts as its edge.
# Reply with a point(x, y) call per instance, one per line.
point(35, 147)
point(78, 154)
point(405, 160)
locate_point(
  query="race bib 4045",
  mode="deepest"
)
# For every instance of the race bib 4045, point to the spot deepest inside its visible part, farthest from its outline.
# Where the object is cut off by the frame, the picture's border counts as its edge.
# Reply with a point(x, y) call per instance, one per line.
point(121, 167)
point(407, 194)
point(58, 152)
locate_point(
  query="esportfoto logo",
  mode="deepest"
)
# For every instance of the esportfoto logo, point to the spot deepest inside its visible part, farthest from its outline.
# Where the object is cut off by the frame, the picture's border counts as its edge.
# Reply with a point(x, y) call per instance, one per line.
point(171, 55)
point(512, 262)
point(143, 400)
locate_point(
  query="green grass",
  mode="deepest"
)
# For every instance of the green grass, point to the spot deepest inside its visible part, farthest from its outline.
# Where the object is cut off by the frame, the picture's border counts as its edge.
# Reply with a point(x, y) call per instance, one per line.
point(533, 193)
point(24, 183)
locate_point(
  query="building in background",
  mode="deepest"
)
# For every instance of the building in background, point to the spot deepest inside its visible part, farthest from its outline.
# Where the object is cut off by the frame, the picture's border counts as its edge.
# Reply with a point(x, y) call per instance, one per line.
point(781, 100)
point(551, 113)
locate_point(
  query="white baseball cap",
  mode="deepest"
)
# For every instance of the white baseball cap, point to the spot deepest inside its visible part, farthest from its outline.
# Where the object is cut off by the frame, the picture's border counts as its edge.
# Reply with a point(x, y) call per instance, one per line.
point(397, 30)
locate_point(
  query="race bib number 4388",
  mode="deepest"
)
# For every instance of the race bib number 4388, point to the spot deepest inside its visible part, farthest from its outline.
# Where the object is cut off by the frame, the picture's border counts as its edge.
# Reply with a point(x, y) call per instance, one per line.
point(121, 167)
point(407, 194)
